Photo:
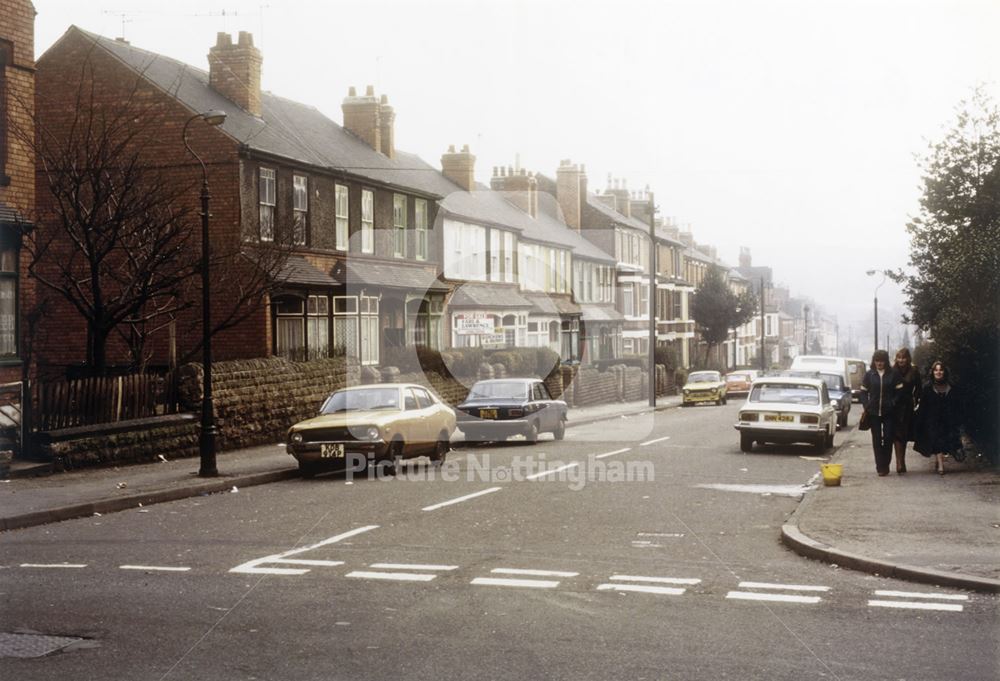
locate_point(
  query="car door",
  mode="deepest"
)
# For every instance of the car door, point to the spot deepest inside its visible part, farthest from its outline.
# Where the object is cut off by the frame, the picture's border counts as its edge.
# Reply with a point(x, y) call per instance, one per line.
point(540, 396)
point(414, 425)
point(434, 418)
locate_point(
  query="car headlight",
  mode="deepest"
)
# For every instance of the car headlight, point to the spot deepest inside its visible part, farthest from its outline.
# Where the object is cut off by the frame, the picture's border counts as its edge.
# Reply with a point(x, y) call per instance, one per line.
point(296, 438)
point(686, 391)
point(372, 433)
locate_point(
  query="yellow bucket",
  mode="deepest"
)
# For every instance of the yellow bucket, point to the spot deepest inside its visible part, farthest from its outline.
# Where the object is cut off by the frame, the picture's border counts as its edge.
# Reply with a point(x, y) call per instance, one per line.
point(831, 473)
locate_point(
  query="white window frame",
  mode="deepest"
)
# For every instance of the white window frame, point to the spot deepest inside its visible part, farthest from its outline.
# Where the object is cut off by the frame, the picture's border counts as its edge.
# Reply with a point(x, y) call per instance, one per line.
point(342, 209)
point(367, 221)
point(267, 202)
point(420, 224)
point(300, 208)
point(399, 225)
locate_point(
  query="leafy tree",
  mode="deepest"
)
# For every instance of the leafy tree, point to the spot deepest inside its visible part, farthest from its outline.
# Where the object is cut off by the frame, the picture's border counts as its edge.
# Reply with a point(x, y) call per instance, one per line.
point(716, 309)
point(954, 292)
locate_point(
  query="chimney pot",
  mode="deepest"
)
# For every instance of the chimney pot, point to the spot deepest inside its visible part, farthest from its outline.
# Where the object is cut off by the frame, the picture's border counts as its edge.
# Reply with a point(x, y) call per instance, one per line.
point(384, 99)
point(460, 167)
point(370, 91)
point(352, 91)
point(234, 71)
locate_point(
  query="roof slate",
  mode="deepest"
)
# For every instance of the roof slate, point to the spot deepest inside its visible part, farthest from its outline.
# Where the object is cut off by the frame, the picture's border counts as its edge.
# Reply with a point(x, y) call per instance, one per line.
point(417, 279)
point(488, 295)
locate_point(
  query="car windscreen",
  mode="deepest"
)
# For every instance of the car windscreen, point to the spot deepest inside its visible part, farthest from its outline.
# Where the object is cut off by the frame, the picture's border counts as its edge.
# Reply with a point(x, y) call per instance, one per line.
point(789, 393)
point(502, 390)
point(833, 381)
point(703, 377)
point(738, 378)
point(360, 400)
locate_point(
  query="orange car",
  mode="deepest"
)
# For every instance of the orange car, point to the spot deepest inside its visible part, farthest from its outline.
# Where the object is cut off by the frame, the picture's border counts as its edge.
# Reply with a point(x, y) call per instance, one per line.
point(738, 382)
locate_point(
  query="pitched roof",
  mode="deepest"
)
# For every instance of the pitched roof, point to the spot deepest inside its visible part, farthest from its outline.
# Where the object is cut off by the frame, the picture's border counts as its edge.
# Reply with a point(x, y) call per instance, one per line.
point(298, 270)
point(285, 128)
point(488, 295)
point(367, 272)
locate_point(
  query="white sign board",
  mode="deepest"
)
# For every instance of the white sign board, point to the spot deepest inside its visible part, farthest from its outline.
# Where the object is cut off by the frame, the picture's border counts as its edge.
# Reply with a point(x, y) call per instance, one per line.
point(492, 340)
point(474, 325)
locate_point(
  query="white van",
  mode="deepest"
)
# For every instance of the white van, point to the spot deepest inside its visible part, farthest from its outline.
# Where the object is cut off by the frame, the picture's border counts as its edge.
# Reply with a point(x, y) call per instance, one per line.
point(828, 365)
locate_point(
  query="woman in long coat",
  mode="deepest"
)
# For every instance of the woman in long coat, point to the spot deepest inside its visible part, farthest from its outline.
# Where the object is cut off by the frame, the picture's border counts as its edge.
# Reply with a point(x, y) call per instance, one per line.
point(939, 419)
point(906, 403)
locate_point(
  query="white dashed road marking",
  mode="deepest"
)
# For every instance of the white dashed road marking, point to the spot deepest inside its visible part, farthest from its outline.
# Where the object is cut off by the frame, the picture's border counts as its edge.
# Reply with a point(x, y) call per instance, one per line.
point(527, 583)
point(553, 471)
point(643, 588)
point(461, 499)
point(312, 563)
point(533, 573)
point(395, 576)
point(617, 451)
point(918, 604)
point(653, 442)
point(154, 568)
point(658, 580)
point(778, 598)
point(782, 587)
point(411, 566)
point(53, 565)
point(252, 567)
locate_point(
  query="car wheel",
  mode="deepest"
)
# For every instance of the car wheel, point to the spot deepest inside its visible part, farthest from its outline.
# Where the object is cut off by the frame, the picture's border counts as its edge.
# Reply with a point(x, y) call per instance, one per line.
point(392, 456)
point(724, 398)
point(829, 441)
point(441, 448)
point(820, 443)
point(560, 432)
point(746, 442)
point(531, 433)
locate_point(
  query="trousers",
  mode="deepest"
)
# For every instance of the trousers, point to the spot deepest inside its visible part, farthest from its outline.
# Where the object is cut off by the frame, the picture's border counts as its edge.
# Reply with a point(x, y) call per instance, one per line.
point(882, 434)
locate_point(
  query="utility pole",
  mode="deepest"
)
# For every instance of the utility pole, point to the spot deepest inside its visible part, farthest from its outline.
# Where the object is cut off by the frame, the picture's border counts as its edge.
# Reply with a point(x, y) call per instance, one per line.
point(652, 301)
point(763, 369)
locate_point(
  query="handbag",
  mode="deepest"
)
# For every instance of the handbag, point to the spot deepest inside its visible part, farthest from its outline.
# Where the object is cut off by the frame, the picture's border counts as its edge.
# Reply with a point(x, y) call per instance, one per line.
point(864, 423)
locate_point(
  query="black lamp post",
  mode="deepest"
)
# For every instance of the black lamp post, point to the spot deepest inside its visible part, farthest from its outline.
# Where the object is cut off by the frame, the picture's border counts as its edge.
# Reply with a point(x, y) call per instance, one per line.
point(206, 440)
point(871, 273)
point(805, 330)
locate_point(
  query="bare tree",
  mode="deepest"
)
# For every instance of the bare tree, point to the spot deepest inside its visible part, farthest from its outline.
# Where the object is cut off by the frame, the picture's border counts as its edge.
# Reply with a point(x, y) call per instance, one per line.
point(117, 232)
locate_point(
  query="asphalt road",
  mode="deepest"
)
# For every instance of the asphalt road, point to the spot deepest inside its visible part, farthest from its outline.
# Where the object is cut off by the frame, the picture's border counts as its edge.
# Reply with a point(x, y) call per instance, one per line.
point(640, 548)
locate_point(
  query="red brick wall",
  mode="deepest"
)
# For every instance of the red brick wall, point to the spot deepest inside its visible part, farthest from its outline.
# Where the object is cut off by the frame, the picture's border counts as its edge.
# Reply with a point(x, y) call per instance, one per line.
point(60, 71)
point(17, 29)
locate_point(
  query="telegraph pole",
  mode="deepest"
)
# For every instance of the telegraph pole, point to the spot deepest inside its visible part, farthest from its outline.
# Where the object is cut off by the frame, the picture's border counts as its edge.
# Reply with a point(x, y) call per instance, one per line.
point(652, 301)
point(763, 369)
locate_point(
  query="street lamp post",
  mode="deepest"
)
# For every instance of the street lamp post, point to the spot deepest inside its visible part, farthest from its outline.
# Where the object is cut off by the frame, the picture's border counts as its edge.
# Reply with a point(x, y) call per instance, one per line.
point(871, 273)
point(206, 440)
point(652, 301)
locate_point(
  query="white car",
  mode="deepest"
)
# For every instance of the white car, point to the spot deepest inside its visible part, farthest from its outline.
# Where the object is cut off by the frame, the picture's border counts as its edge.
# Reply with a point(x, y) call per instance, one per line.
point(788, 409)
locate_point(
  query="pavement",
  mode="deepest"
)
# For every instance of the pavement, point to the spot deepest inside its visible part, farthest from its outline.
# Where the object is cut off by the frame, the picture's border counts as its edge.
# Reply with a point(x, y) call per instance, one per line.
point(921, 526)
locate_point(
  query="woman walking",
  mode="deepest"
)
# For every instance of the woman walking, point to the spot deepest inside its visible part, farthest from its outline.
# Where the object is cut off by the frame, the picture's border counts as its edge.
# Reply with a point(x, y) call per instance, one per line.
point(906, 402)
point(939, 419)
point(879, 389)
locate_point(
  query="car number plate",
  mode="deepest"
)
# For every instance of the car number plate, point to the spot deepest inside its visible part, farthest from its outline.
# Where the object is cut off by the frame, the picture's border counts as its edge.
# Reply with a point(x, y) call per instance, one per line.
point(783, 418)
point(487, 413)
point(334, 451)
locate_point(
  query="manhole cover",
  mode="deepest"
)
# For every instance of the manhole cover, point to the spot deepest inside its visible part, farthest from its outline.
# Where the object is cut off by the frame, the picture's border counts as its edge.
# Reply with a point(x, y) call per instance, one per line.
point(33, 645)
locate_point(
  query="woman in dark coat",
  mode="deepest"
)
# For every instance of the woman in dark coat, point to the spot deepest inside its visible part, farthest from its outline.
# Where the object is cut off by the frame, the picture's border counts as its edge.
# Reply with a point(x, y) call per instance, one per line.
point(906, 403)
point(879, 390)
point(939, 419)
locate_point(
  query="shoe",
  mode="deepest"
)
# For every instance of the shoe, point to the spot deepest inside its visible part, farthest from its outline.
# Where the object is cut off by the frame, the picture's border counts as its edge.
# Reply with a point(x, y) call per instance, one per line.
point(900, 469)
point(883, 473)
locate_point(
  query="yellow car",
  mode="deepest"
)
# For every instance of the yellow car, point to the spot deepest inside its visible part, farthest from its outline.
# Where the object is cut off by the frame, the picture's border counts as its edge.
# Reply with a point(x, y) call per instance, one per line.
point(373, 424)
point(704, 386)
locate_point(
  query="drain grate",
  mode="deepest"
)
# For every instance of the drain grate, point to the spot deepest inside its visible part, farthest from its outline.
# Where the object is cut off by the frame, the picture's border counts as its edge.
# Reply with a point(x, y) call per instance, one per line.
point(33, 645)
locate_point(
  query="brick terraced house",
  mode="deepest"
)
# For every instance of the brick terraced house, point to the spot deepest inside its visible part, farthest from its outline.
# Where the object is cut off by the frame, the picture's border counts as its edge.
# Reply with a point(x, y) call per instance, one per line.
point(17, 179)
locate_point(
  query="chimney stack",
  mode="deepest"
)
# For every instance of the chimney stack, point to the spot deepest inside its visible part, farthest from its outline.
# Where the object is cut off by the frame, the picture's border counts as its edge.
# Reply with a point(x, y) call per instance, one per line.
point(520, 188)
point(623, 201)
point(234, 71)
point(745, 260)
point(361, 117)
point(459, 167)
point(571, 192)
point(639, 206)
point(387, 119)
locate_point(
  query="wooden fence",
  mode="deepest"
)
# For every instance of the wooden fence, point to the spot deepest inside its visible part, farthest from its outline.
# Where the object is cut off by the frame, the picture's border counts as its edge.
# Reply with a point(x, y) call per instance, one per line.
point(92, 401)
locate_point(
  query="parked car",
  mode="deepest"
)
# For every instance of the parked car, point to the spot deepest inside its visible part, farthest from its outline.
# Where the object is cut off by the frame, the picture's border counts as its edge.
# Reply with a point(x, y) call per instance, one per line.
point(498, 408)
point(787, 409)
point(738, 383)
point(704, 386)
point(858, 368)
point(840, 393)
point(381, 423)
